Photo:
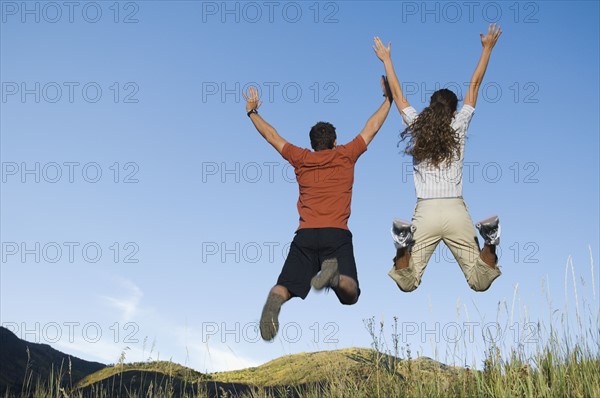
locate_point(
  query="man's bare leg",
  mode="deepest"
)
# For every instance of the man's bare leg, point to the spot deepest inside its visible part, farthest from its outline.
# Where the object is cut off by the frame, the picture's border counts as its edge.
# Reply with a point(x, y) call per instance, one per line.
point(344, 286)
point(347, 290)
point(269, 320)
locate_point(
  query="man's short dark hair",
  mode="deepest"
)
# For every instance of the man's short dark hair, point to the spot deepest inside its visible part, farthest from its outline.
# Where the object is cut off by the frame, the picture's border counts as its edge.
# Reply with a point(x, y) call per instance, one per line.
point(322, 136)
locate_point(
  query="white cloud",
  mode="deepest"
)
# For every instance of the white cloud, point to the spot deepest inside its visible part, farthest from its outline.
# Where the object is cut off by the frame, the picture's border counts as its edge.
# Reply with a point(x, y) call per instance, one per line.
point(129, 305)
point(165, 342)
point(221, 358)
point(207, 356)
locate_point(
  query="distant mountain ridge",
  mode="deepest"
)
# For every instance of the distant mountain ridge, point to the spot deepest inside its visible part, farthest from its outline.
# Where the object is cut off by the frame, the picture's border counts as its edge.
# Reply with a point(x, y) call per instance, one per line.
point(20, 359)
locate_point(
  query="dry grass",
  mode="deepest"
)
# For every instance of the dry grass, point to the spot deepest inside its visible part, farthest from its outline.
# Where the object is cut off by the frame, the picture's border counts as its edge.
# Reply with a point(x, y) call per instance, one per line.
point(565, 362)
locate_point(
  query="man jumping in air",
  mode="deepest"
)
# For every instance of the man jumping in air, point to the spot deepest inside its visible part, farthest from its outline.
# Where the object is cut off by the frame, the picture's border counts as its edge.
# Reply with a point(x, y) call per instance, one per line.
point(321, 253)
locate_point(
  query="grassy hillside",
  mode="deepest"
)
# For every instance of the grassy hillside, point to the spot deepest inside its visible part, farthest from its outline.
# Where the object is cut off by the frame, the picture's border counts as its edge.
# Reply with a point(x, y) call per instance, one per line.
point(318, 367)
point(305, 374)
point(167, 369)
point(564, 361)
point(160, 379)
point(556, 370)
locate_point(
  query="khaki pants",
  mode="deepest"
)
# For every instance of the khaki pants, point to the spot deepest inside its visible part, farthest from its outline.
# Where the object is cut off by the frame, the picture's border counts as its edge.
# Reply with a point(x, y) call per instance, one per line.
point(445, 220)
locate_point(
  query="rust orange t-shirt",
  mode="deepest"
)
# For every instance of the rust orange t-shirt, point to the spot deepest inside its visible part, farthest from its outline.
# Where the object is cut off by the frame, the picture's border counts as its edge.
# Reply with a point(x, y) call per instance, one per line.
point(325, 181)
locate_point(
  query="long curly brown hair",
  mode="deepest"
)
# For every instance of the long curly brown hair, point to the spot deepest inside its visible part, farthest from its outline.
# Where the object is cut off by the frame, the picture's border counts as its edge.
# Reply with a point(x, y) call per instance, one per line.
point(430, 136)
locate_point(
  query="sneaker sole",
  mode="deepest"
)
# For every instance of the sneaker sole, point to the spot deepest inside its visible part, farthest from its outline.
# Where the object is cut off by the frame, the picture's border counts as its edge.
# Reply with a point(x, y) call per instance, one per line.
point(489, 222)
point(269, 320)
point(397, 227)
point(328, 270)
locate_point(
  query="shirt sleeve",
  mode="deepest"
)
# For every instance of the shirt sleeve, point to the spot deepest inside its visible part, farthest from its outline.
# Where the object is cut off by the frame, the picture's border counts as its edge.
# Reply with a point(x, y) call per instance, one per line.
point(355, 148)
point(463, 118)
point(293, 154)
point(409, 114)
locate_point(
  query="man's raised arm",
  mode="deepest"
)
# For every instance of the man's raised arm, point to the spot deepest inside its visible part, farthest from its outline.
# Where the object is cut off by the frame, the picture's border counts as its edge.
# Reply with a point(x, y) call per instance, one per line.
point(376, 121)
point(264, 128)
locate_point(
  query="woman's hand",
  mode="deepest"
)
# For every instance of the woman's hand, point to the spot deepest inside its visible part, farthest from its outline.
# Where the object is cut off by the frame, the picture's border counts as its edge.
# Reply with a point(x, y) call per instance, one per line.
point(383, 53)
point(489, 40)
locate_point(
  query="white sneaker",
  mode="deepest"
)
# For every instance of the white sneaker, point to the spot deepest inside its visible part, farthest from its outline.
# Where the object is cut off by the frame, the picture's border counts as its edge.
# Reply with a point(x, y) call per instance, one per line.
point(402, 234)
point(489, 229)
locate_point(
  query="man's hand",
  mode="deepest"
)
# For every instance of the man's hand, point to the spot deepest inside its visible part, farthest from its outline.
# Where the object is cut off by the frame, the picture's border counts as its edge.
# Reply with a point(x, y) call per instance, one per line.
point(264, 128)
point(252, 101)
point(383, 53)
point(374, 123)
point(489, 40)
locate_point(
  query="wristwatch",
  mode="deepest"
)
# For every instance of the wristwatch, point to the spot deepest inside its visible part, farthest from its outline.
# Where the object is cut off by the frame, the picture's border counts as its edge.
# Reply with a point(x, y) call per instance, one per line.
point(251, 111)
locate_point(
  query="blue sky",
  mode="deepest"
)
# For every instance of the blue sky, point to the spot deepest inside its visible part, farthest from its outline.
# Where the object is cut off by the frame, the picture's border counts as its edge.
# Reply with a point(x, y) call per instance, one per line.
point(141, 211)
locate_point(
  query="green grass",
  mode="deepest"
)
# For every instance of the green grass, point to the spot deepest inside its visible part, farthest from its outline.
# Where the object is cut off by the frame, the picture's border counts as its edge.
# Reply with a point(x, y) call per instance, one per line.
point(169, 369)
point(563, 362)
point(559, 368)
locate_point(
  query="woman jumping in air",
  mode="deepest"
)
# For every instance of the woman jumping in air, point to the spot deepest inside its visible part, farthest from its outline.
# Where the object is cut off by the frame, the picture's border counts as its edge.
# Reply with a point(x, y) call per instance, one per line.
point(436, 140)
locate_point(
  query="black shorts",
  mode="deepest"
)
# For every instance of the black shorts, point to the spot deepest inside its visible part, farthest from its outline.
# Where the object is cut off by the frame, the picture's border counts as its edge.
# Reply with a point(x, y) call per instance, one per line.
point(310, 247)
